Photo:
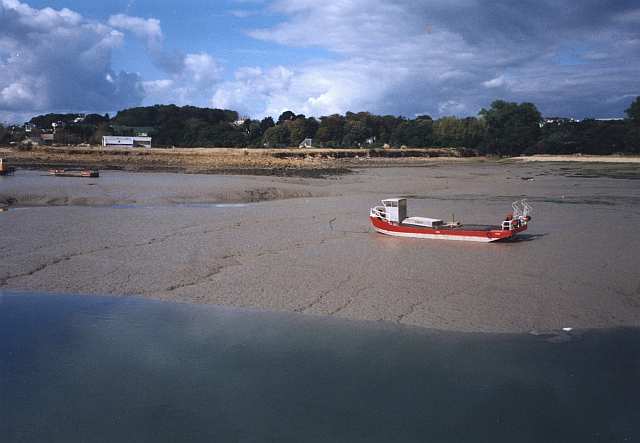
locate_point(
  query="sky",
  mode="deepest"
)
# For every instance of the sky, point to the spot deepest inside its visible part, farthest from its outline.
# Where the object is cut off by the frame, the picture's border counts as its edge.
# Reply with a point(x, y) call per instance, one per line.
point(261, 57)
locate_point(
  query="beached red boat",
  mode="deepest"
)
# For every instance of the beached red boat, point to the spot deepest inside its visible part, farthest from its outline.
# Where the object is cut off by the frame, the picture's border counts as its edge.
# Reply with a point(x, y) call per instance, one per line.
point(391, 219)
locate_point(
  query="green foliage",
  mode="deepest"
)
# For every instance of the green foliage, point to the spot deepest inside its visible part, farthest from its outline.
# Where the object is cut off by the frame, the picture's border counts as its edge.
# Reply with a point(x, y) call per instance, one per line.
point(331, 130)
point(633, 111)
point(278, 136)
point(286, 116)
point(587, 137)
point(266, 123)
point(414, 133)
point(160, 115)
point(505, 128)
point(45, 121)
point(511, 128)
point(183, 126)
point(297, 130)
point(632, 140)
point(4, 134)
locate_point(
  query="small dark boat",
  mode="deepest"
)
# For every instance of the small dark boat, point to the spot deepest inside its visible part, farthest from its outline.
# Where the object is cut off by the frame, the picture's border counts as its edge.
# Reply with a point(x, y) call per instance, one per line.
point(86, 173)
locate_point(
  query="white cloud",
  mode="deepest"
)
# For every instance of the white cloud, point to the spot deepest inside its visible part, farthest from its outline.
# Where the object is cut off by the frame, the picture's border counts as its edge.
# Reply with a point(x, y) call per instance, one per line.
point(451, 107)
point(192, 83)
point(442, 57)
point(17, 94)
point(399, 57)
point(58, 60)
point(189, 75)
point(201, 69)
point(495, 82)
point(147, 29)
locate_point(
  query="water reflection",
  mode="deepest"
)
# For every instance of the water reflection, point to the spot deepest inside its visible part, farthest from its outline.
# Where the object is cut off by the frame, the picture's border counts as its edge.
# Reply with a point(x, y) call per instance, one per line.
point(124, 369)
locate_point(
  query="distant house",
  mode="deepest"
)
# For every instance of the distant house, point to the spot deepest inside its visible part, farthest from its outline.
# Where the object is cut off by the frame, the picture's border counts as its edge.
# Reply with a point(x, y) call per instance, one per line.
point(123, 142)
point(47, 138)
point(306, 143)
point(557, 121)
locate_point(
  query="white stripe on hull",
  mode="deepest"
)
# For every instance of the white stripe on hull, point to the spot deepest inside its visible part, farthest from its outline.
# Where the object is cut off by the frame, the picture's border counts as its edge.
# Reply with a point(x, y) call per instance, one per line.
point(437, 236)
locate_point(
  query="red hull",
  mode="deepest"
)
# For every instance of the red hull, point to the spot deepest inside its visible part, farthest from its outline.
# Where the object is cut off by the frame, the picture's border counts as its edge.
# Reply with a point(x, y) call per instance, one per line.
point(460, 233)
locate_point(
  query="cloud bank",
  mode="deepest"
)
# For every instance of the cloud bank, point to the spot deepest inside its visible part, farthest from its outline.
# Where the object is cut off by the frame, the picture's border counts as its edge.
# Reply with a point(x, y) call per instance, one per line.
point(59, 61)
point(449, 57)
point(56, 59)
point(402, 57)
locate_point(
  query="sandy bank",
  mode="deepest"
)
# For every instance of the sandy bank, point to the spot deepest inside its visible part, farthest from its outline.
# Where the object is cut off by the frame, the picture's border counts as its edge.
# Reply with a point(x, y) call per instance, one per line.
point(280, 162)
point(580, 158)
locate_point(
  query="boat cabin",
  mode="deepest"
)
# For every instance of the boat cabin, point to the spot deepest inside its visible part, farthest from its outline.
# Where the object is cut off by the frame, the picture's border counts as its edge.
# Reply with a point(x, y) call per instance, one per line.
point(395, 209)
point(510, 224)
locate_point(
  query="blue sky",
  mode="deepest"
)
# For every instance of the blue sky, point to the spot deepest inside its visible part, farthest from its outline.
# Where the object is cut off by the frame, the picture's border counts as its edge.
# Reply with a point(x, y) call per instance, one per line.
point(261, 57)
point(194, 26)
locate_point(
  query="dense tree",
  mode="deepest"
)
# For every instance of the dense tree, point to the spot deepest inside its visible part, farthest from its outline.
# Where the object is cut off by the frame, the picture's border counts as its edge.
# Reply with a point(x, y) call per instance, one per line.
point(331, 130)
point(511, 127)
point(266, 123)
point(356, 133)
point(297, 130)
point(505, 128)
point(311, 127)
point(160, 115)
point(458, 133)
point(286, 116)
point(45, 121)
point(278, 136)
point(414, 133)
point(4, 134)
point(253, 132)
point(588, 137)
point(633, 111)
point(632, 140)
point(96, 119)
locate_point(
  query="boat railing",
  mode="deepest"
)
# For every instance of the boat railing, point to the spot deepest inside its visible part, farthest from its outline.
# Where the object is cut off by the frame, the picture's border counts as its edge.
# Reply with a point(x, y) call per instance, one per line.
point(379, 211)
point(521, 209)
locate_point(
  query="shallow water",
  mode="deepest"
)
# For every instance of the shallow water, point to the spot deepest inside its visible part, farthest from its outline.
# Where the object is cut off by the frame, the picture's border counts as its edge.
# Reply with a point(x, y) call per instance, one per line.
point(131, 370)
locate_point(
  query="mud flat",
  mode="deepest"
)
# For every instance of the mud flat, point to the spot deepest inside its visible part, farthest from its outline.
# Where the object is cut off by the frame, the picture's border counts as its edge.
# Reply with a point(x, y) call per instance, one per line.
point(305, 244)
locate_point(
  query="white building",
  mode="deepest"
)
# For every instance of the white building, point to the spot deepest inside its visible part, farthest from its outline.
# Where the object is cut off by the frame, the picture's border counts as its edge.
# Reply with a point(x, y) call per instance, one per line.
point(132, 142)
point(306, 143)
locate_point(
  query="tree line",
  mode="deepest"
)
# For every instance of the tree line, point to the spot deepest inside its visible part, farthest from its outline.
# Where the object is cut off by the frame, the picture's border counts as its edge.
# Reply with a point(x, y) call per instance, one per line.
point(505, 128)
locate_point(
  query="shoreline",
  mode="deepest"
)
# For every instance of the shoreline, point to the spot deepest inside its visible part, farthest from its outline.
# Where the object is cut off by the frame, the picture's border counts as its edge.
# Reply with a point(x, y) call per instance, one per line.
point(306, 163)
point(292, 162)
point(580, 158)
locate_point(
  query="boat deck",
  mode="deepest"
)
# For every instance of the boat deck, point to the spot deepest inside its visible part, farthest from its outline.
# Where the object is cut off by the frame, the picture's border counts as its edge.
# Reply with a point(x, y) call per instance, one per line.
point(458, 228)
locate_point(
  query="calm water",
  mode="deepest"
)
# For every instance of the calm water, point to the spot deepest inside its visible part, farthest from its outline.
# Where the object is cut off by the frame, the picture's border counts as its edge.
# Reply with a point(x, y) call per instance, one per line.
point(129, 370)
